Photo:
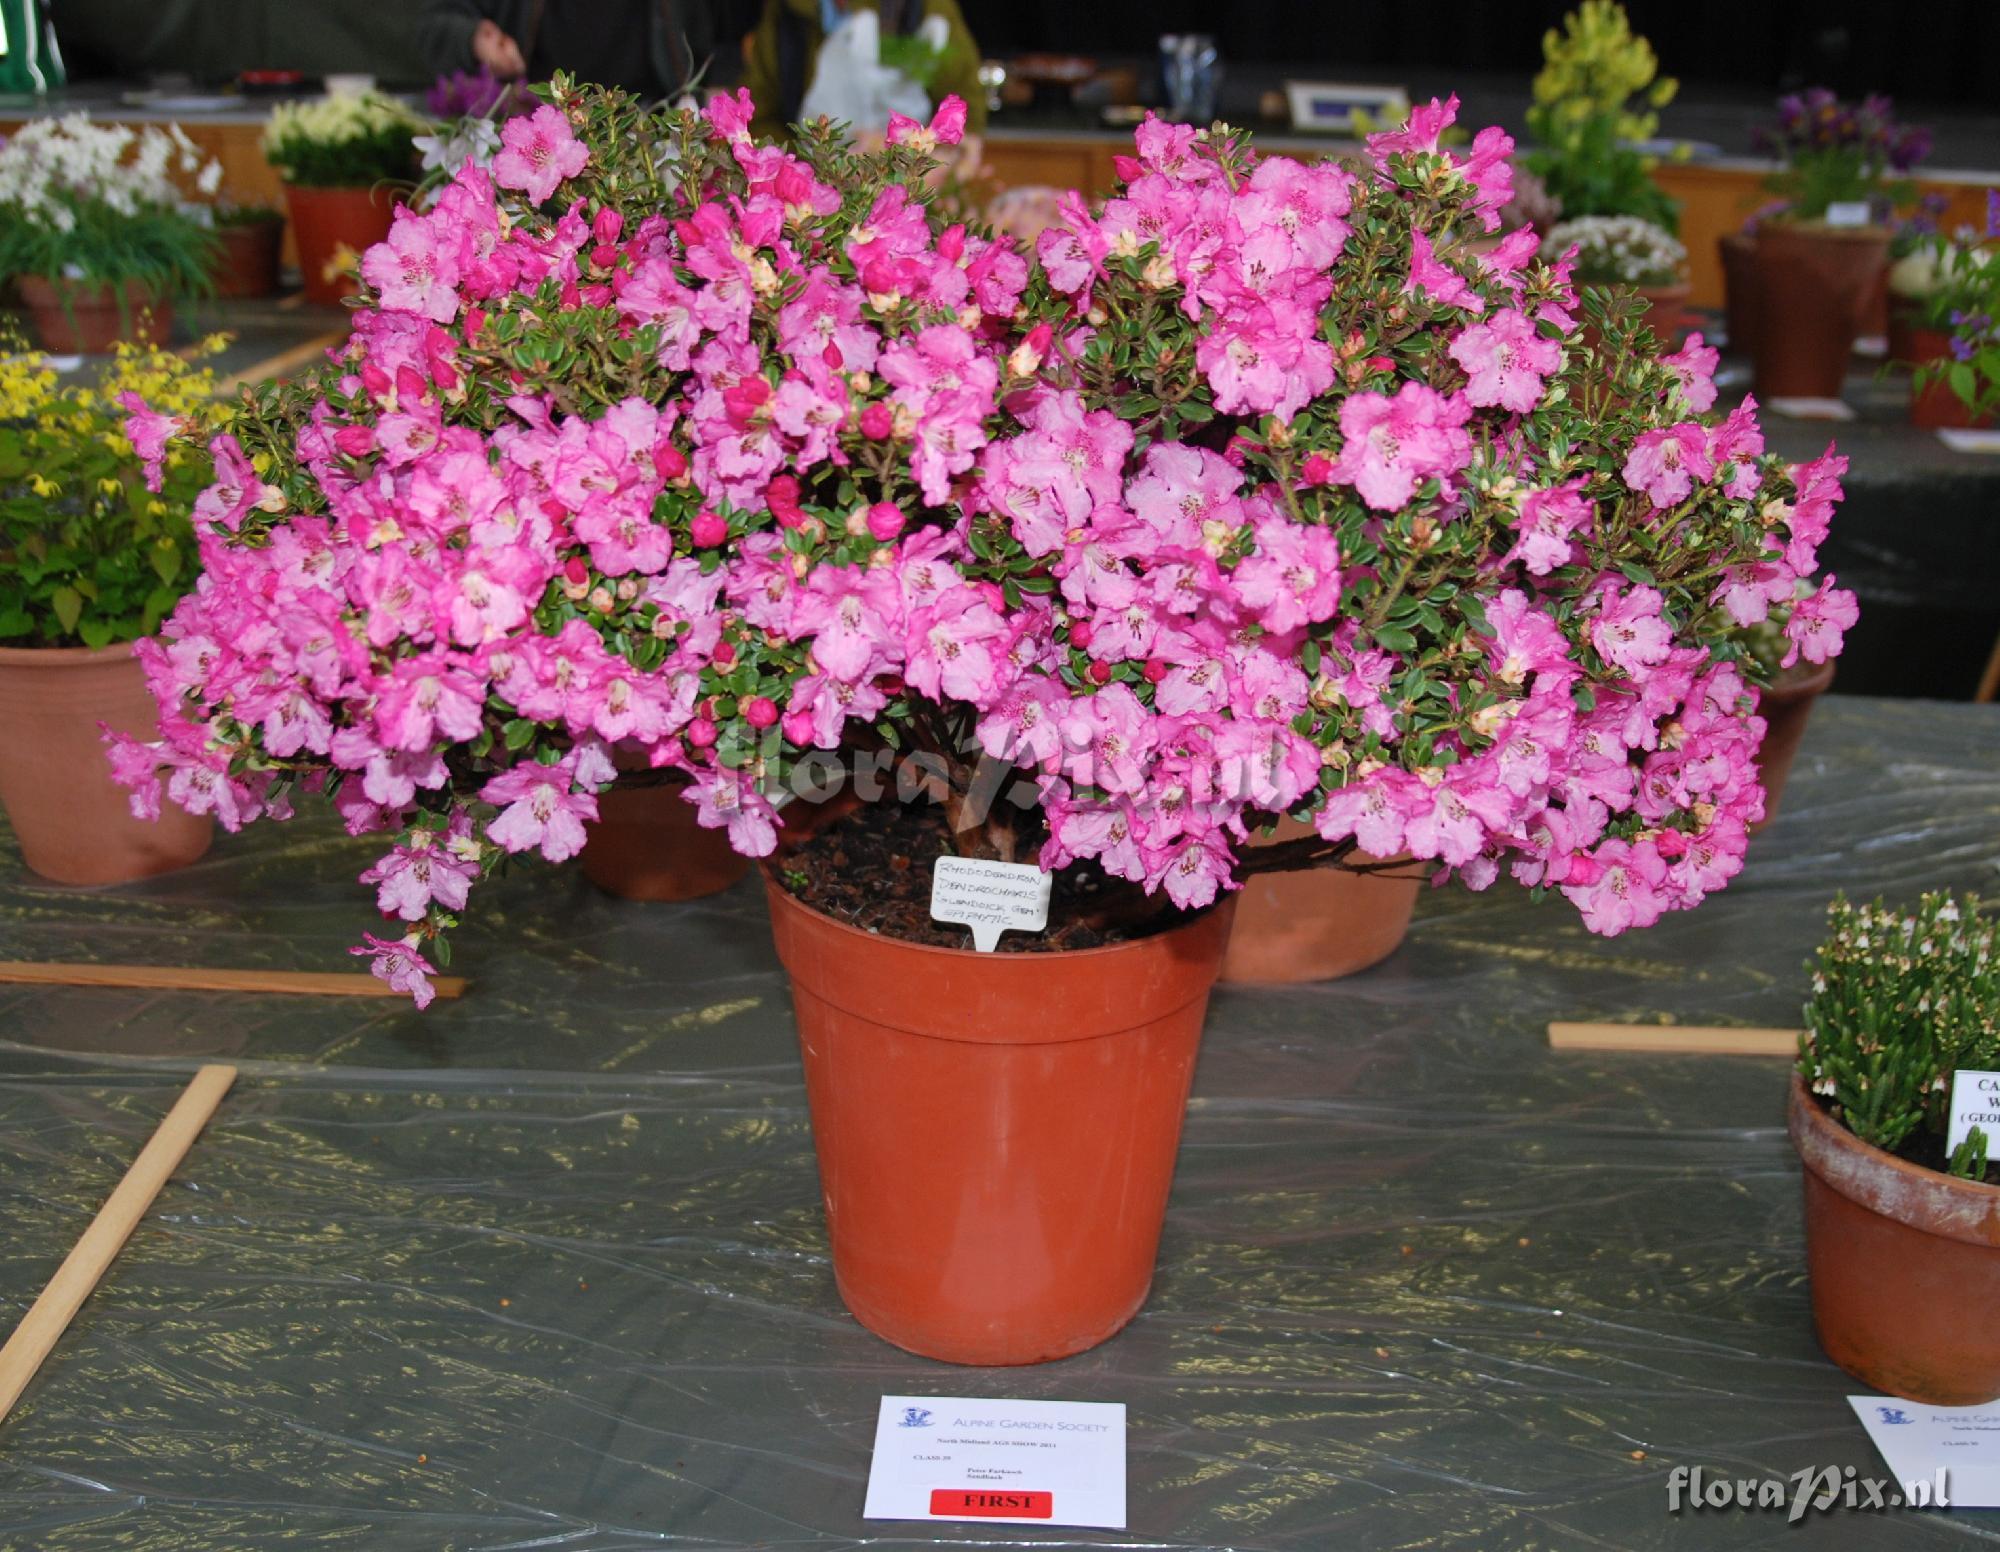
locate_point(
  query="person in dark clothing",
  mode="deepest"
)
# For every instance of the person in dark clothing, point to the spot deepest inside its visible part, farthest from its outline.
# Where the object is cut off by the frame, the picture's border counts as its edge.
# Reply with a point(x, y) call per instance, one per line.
point(652, 48)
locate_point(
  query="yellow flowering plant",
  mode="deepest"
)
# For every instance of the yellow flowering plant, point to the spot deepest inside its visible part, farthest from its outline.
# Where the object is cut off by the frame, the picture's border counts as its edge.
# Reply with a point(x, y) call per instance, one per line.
point(1599, 91)
point(91, 551)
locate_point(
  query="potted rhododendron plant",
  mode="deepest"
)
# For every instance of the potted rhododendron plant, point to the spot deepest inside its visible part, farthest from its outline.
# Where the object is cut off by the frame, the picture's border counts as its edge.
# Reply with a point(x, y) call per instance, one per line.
point(1902, 1215)
point(1261, 493)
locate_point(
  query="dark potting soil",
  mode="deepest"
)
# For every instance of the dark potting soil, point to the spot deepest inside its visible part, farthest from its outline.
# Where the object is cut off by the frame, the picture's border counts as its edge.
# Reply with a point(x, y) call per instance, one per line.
point(1925, 1149)
point(871, 869)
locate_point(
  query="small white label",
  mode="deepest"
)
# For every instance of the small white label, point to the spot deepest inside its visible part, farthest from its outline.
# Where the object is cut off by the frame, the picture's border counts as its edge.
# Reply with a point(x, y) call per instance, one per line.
point(1942, 1457)
point(1850, 212)
point(1014, 1462)
point(990, 897)
point(1975, 1101)
point(1960, 440)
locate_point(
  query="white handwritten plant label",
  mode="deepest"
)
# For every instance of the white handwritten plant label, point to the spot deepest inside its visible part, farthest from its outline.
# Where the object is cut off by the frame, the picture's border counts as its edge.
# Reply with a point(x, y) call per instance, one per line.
point(990, 897)
point(1850, 212)
point(1975, 1101)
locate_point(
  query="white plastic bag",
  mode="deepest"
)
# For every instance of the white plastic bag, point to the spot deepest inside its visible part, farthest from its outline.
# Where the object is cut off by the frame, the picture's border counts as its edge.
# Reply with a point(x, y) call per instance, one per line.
point(850, 83)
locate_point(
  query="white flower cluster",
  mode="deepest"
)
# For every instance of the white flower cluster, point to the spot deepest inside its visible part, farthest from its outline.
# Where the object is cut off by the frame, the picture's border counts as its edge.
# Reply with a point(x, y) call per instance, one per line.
point(335, 121)
point(1618, 250)
point(55, 164)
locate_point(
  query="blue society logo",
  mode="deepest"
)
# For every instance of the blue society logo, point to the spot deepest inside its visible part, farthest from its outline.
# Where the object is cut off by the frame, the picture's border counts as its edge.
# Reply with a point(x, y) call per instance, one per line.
point(1894, 1415)
point(915, 1417)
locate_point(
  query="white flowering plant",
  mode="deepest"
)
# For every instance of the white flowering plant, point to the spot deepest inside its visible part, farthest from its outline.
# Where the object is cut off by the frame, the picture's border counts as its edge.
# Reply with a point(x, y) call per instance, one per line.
point(107, 204)
point(1901, 1000)
point(343, 142)
point(1618, 251)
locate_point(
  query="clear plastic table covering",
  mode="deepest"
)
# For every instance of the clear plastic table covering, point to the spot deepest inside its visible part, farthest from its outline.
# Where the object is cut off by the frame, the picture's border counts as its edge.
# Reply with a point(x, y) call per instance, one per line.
point(545, 1268)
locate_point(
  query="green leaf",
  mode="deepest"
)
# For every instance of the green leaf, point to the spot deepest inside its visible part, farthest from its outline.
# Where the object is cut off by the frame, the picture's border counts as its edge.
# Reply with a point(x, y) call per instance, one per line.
point(67, 603)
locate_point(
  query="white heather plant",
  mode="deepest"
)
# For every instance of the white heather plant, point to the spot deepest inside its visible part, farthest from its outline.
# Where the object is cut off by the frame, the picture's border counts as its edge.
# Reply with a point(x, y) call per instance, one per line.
point(343, 142)
point(99, 203)
point(1618, 251)
point(1901, 1000)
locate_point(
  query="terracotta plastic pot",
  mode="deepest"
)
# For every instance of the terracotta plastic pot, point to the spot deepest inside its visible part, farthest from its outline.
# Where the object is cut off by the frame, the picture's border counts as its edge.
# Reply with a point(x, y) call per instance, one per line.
point(1814, 285)
point(74, 823)
point(1319, 923)
point(1786, 708)
point(1741, 297)
point(324, 221)
point(647, 845)
point(1914, 343)
point(996, 1132)
point(1905, 1265)
point(74, 317)
point(1666, 310)
point(247, 263)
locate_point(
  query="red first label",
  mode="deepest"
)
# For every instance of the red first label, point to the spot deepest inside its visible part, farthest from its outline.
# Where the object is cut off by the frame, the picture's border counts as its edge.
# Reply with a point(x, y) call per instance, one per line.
point(978, 1503)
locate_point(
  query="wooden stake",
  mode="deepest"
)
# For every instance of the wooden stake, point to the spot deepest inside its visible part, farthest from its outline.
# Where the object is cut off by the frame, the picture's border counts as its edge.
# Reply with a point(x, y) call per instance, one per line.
point(50, 1315)
point(193, 978)
point(1691, 1039)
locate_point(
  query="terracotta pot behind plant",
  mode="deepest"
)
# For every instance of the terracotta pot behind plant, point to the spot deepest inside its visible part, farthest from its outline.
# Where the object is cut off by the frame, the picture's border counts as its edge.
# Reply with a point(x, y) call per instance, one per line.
point(1786, 708)
point(73, 316)
point(647, 845)
point(1666, 311)
point(325, 220)
point(1913, 343)
point(1319, 923)
point(1814, 283)
point(996, 1132)
point(73, 823)
point(1904, 1262)
point(1741, 297)
point(248, 262)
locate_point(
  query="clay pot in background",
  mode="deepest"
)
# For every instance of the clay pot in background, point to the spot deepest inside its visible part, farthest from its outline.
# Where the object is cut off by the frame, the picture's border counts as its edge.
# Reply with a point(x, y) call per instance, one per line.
point(1914, 343)
point(1814, 284)
point(646, 844)
point(1904, 1262)
point(74, 824)
point(1318, 923)
point(78, 317)
point(326, 220)
point(1666, 311)
point(1786, 707)
point(1741, 296)
point(996, 1132)
point(247, 257)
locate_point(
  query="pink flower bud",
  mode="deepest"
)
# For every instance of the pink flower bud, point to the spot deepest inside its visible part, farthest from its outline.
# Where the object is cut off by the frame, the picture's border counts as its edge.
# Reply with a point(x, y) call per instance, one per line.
point(725, 652)
point(574, 570)
point(1080, 634)
point(355, 441)
point(1670, 844)
point(378, 382)
point(951, 243)
point(1157, 668)
point(606, 225)
point(782, 497)
point(701, 733)
point(885, 521)
point(798, 728)
point(669, 460)
point(1100, 673)
point(877, 422)
point(760, 711)
point(708, 530)
point(1318, 470)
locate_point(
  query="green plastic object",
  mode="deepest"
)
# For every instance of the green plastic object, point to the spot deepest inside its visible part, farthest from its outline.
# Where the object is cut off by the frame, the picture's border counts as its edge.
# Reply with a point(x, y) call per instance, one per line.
point(29, 58)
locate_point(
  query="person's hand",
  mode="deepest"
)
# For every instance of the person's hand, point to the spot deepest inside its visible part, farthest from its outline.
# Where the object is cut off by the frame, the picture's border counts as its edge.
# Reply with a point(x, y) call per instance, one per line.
point(497, 50)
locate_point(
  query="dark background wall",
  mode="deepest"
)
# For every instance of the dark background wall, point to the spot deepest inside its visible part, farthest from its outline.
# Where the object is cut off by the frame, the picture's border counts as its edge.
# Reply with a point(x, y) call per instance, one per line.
point(1935, 51)
point(1926, 50)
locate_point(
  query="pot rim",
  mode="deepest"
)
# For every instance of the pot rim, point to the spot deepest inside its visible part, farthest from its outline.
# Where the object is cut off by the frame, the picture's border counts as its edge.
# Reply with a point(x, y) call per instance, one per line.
point(1819, 228)
point(57, 285)
point(64, 657)
point(774, 887)
point(1919, 1198)
point(1815, 683)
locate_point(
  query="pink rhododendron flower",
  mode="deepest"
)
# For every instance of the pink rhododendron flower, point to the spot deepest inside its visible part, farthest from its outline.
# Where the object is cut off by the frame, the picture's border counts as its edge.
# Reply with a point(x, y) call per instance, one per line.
point(1392, 445)
point(399, 963)
point(1666, 462)
point(1507, 361)
point(539, 810)
point(538, 151)
point(1817, 624)
point(149, 432)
